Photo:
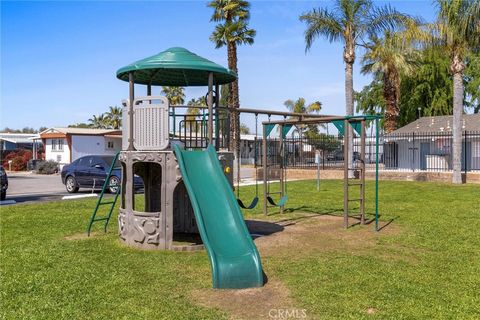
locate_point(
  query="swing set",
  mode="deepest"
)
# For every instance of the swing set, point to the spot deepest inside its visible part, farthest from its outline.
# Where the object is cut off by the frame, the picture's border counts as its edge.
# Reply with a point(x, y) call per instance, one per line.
point(267, 168)
point(346, 126)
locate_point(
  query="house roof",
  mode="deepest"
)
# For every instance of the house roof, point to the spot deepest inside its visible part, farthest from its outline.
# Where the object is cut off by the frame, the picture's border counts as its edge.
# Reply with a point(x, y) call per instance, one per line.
point(470, 122)
point(18, 137)
point(82, 131)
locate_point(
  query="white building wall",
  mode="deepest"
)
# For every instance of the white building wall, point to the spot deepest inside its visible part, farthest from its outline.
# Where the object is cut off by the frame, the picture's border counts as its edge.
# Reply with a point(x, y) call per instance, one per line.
point(60, 156)
point(87, 145)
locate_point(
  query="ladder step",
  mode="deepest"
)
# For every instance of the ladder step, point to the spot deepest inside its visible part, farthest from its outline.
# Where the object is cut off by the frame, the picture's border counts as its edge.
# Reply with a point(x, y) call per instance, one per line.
point(359, 169)
point(356, 184)
point(275, 192)
point(355, 199)
point(100, 219)
point(108, 202)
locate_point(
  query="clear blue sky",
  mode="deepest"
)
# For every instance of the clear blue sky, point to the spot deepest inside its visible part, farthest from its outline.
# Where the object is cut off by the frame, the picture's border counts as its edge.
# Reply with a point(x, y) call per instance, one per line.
point(59, 59)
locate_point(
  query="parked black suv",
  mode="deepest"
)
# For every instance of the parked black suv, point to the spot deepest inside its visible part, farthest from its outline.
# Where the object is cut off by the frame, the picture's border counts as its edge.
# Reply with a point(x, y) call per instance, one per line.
point(4, 183)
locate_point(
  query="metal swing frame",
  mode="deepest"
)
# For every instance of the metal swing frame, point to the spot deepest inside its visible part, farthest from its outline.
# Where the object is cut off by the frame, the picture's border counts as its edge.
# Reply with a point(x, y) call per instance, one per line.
point(254, 202)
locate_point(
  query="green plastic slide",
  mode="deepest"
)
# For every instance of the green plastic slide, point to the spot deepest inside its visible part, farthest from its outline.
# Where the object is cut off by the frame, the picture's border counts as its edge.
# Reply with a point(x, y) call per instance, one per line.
point(233, 256)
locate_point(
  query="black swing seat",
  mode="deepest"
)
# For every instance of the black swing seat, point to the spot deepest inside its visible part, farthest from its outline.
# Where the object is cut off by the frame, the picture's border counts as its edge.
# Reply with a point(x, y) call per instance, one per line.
point(280, 203)
point(251, 206)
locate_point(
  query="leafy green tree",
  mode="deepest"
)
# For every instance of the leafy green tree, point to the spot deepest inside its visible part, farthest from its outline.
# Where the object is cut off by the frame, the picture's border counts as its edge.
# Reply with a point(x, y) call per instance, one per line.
point(323, 142)
point(390, 57)
point(175, 95)
point(114, 117)
point(370, 99)
point(80, 125)
point(350, 22)
point(232, 31)
point(29, 130)
point(472, 82)
point(24, 130)
point(429, 88)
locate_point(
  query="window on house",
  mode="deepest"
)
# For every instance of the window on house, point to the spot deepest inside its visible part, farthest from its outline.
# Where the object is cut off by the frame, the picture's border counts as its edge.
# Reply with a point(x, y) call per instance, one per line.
point(54, 144)
point(59, 158)
point(60, 144)
point(110, 145)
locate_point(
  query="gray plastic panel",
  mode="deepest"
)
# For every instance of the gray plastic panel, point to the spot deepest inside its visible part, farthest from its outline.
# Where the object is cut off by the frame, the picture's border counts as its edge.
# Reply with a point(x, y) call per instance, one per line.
point(150, 123)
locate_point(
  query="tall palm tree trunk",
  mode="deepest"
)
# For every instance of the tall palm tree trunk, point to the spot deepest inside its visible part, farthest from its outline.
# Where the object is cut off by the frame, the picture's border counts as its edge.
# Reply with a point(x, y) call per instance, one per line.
point(390, 90)
point(457, 68)
point(234, 102)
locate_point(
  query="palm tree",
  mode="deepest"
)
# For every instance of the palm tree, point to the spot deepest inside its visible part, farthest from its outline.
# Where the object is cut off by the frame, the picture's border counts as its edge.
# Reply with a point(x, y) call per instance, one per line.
point(299, 106)
point(244, 129)
point(349, 22)
point(390, 57)
point(457, 30)
point(175, 95)
point(99, 122)
point(231, 32)
point(193, 111)
point(114, 117)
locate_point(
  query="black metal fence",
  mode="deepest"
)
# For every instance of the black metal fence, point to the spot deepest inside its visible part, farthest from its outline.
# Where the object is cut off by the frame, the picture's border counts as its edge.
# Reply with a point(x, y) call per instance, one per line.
point(398, 152)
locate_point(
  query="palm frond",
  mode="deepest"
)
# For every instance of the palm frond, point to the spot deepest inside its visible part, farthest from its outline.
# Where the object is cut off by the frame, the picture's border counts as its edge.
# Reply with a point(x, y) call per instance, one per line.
point(321, 22)
point(386, 18)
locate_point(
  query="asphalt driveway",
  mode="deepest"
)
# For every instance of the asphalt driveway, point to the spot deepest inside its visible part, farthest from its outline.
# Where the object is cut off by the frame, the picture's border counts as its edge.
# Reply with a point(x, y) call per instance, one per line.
point(31, 187)
point(24, 187)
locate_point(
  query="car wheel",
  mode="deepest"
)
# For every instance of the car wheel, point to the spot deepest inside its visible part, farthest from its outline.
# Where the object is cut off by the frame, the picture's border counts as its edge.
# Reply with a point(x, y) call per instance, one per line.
point(3, 195)
point(71, 184)
point(113, 184)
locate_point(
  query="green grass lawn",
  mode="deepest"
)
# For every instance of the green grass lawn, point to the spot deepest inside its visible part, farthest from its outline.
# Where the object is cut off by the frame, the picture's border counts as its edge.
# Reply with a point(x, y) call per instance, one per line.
point(428, 268)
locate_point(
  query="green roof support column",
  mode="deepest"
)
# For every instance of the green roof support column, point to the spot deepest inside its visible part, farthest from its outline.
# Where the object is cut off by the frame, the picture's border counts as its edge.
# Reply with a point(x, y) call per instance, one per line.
point(210, 108)
point(264, 166)
point(217, 115)
point(130, 111)
point(282, 174)
point(376, 173)
point(346, 172)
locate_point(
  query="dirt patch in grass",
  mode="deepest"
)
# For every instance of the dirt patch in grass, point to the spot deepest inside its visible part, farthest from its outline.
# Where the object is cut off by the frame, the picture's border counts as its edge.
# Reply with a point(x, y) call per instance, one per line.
point(255, 303)
point(293, 239)
point(324, 233)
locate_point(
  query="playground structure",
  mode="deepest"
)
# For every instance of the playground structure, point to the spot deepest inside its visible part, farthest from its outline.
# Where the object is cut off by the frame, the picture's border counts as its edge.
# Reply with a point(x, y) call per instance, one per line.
point(187, 174)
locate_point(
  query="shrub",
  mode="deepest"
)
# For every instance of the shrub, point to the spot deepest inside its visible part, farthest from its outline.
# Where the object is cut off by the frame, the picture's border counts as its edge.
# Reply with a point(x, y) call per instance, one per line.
point(47, 167)
point(19, 160)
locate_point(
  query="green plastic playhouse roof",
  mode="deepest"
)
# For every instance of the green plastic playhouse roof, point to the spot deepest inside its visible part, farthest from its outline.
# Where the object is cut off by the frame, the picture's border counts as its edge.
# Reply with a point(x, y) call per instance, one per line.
point(176, 67)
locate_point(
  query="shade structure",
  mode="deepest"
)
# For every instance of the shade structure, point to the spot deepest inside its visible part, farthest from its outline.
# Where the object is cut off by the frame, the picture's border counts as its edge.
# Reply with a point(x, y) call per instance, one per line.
point(176, 67)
